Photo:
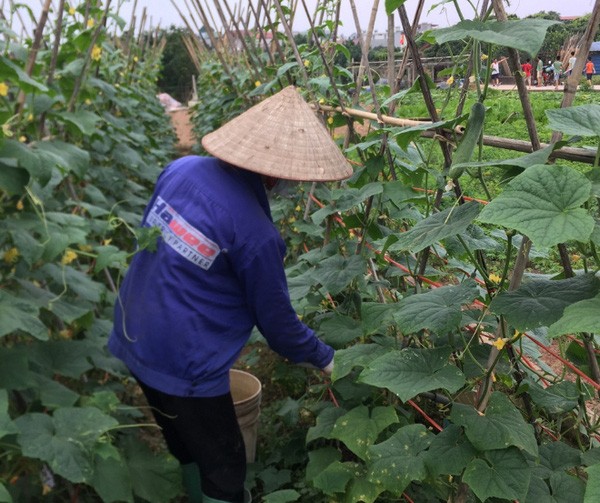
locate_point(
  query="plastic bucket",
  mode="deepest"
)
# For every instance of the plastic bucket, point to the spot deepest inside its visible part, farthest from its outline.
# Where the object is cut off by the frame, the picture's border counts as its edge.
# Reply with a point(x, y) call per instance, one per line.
point(246, 392)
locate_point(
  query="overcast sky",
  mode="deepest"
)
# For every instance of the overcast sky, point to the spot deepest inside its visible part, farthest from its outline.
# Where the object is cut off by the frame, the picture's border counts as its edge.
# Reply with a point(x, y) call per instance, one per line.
point(163, 13)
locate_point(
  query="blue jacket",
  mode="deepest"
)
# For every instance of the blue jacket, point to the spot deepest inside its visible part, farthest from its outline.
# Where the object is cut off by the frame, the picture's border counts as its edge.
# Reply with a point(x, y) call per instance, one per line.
point(185, 311)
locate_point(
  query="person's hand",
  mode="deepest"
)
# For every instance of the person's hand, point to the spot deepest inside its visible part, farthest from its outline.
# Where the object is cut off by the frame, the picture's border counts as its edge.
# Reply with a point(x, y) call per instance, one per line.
point(328, 369)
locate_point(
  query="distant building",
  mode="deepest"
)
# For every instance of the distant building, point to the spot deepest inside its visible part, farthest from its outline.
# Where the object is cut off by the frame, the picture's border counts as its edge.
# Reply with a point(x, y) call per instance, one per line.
point(380, 38)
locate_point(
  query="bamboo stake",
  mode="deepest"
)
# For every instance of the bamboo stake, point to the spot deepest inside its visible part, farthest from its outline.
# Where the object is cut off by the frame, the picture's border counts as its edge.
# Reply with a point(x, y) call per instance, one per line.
point(583, 48)
point(35, 47)
point(273, 31)
point(290, 36)
point(88, 57)
point(513, 59)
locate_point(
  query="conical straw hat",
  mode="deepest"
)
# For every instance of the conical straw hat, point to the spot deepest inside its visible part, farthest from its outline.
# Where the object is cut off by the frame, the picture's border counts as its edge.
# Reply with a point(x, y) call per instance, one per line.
point(280, 137)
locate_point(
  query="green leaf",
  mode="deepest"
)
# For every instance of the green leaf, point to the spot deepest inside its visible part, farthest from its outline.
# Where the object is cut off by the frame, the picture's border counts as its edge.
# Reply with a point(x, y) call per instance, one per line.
point(392, 5)
point(360, 355)
point(583, 120)
point(66, 156)
point(399, 460)
point(541, 302)
point(502, 474)
point(337, 272)
point(14, 369)
point(64, 440)
point(525, 34)
point(19, 314)
point(557, 398)
point(5, 496)
point(501, 426)
point(325, 422)
point(111, 480)
point(449, 222)
point(592, 490)
point(110, 256)
point(556, 456)
point(53, 394)
point(359, 428)
point(83, 120)
point(13, 180)
point(438, 310)
point(14, 72)
point(544, 203)
point(346, 199)
point(6, 425)
point(579, 317)
point(409, 372)
point(449, 453)
point(338, 330)
point(155, 477)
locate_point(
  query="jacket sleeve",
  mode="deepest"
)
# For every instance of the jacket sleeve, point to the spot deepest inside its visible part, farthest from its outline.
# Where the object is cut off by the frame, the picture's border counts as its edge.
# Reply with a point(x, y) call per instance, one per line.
point(263, 278)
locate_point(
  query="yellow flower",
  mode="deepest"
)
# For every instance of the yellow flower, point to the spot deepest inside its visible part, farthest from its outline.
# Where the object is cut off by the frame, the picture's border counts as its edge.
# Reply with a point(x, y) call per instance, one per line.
point(20, 205)
point(306, 63)
point(136, 59)
point(517, 335)
point(88, 101)
point(291, 220)
point(30, 117)
point(3, 89)
point(450, 80)
point(257, 83)
point(330, 120)
point(321, 101)
point(68, 257)
point(85, 248)
point(11, 255)
point(499, 343)
point(96, 53)
point(90, 23)
point(106, 242)
point(72, 11)
point(494, 278)
point(298, 208)
point(484, 57)
point(575, 257)
point(22, 138)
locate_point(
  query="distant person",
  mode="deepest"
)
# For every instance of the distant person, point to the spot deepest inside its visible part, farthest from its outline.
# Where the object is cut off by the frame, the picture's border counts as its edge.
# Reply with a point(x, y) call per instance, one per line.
point(557, 69)
point(539, 71)
point(495, 72)
point(526, 67)
point(571, 63)
point(590, 70)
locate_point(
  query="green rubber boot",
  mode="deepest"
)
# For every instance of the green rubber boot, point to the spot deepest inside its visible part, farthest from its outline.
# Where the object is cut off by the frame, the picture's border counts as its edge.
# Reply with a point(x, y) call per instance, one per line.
point(190, 475)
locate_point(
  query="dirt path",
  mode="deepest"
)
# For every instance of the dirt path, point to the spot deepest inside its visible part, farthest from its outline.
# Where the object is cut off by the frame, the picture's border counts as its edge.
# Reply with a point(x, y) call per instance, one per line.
point(184, 130)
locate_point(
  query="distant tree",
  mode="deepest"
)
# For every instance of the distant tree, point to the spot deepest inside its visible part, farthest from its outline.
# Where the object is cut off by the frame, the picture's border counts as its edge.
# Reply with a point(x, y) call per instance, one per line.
point(558, 34)
point(177, 70)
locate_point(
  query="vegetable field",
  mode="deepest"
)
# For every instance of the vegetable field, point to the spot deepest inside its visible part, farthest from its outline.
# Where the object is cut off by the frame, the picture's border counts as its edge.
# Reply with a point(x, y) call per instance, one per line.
point(455, 274)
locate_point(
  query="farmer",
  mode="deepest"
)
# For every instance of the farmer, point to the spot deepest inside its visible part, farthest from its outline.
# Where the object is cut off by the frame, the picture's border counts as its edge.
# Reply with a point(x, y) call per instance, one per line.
point(590, 69)
point(557, 69)
point(526, 67)
point(495, 72)
point(185, 311)
point(539, 70)
point(571, 64)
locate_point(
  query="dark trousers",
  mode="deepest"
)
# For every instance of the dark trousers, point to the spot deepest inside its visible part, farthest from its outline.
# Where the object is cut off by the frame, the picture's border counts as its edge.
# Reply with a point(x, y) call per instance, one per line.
point(203, 431)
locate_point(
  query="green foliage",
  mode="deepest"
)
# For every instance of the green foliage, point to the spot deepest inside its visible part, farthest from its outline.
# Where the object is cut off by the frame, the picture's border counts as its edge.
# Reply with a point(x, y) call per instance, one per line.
point(78, 162)
point(403, 283)
point(177, 68)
